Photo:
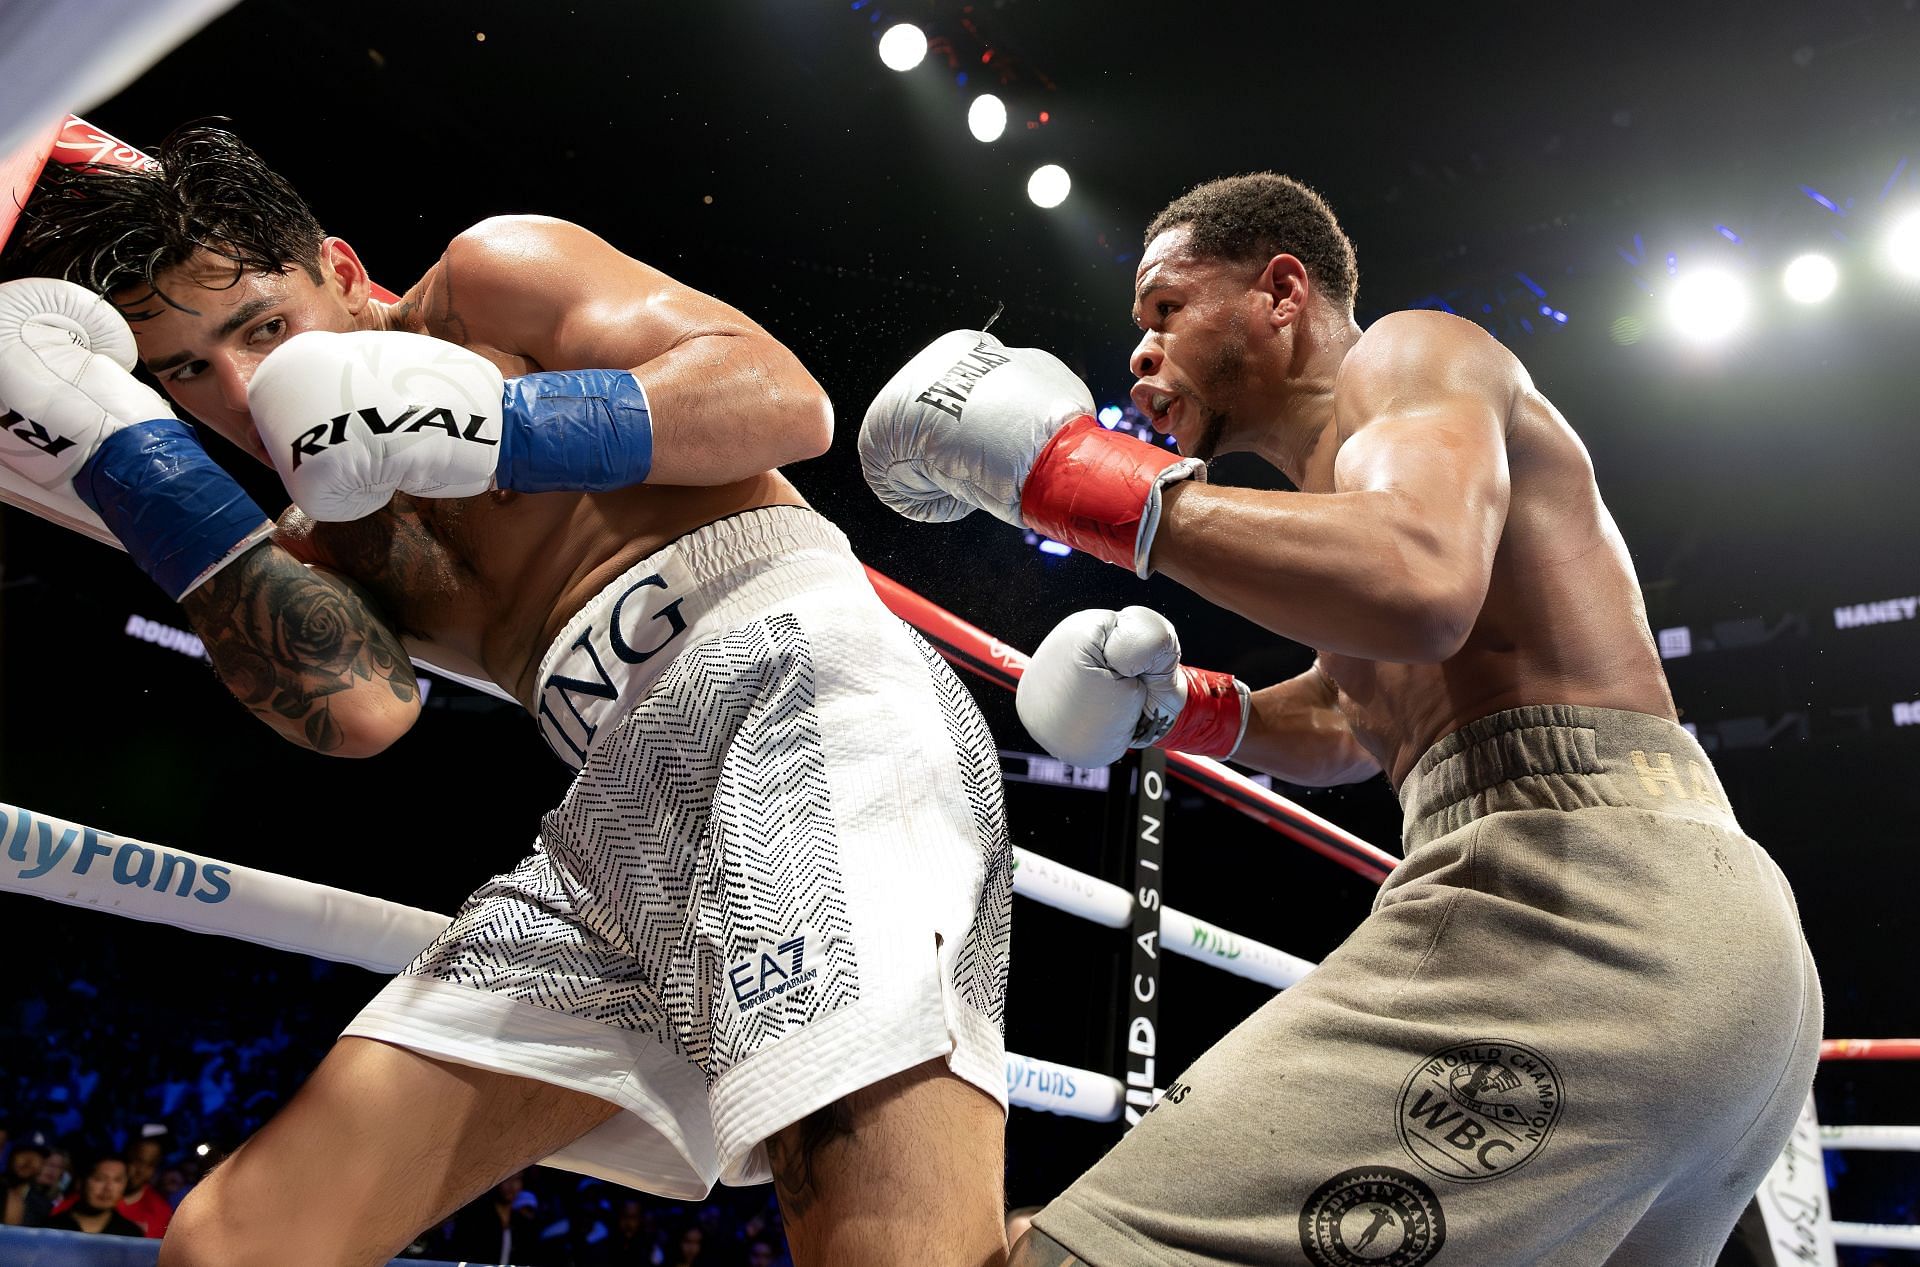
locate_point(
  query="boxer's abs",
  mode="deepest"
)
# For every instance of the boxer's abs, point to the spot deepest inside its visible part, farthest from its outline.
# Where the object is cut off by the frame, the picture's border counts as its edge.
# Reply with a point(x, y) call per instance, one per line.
point(482, 585)
point(1563, 621)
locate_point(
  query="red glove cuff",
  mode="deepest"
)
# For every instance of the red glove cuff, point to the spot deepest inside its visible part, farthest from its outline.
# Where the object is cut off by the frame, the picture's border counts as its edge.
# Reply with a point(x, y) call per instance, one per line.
point(1214, 717)
point(1090, 487)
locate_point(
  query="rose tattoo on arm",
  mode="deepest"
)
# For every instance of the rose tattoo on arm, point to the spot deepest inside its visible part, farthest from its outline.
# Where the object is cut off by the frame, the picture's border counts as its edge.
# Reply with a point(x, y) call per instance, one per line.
point(285, 638)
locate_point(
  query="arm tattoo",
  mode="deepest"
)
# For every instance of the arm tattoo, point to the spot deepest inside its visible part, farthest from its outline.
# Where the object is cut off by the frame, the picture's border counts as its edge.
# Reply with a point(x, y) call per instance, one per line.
point(284, 638)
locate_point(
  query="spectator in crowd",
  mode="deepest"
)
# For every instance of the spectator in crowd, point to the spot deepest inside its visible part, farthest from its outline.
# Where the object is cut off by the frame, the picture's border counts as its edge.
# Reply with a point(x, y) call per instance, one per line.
point(27, 1203)
point(686, 1250)
point(56, 1173)
point(142, 1204)
point(171, 1183)
point(633, 1242)
point(500, 1227)
point(97, 1208)
point(761, 1253)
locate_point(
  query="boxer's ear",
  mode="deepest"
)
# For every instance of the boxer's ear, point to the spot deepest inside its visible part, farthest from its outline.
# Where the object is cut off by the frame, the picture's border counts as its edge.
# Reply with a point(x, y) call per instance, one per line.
point(1285, 285)
point(340, 268)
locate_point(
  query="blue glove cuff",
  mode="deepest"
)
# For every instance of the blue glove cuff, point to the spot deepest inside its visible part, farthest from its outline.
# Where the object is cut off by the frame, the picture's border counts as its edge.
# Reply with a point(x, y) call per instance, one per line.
point(580, 431)
point(173, 507)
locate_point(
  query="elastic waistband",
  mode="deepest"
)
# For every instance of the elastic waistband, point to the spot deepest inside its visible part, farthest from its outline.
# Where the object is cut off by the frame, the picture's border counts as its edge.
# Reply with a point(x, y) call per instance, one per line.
point(1559, 757)
point(712, 580)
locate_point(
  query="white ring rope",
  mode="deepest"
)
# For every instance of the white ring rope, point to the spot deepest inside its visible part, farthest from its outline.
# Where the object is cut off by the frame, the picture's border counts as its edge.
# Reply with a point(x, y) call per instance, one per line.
point(1877, 1235)
point(66, 862)
point(1877, 1139)
point(1095, 900)
point(82, 866)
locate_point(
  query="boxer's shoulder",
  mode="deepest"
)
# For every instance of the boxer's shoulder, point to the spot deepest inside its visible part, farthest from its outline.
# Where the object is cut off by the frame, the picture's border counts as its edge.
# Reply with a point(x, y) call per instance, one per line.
point(487, 288)
point(1407, 362)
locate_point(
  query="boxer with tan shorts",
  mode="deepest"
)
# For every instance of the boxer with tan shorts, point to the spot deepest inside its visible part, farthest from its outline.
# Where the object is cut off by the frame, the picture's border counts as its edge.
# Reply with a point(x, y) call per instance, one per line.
point(1581, 1019)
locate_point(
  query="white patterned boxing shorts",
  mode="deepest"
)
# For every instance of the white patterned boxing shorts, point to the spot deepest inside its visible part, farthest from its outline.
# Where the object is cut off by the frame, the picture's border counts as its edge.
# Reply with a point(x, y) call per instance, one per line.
point(782, 871)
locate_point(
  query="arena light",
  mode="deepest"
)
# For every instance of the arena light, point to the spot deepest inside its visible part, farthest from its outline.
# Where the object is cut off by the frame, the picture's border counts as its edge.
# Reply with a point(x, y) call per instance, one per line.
point(1110, 416)
point(1810, 279)
point(987, 117)
point(903, 46)
point(1707, 305)
point(1903, 245)
point(1048, 186)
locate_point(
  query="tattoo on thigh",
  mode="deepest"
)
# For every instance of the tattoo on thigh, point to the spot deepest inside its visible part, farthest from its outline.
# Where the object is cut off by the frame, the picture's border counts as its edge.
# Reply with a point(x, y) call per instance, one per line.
point(793, 1154)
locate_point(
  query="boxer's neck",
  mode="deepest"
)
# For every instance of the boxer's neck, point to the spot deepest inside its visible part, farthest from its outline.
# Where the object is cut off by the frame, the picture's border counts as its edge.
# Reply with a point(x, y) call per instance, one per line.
point(1299, 439)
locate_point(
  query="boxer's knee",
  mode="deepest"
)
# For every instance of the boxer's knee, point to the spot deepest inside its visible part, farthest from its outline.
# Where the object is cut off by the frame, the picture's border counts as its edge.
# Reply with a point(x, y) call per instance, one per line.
point(222, 1224)
point(200, 1235)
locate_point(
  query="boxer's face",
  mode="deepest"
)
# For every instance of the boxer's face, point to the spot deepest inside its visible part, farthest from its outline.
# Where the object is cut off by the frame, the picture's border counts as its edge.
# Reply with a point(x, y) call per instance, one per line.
point(1198, 318)
point(204, 350)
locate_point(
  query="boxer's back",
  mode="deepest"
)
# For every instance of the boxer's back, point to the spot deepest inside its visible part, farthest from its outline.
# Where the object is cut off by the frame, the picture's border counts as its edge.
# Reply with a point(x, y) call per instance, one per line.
point(1563, 621)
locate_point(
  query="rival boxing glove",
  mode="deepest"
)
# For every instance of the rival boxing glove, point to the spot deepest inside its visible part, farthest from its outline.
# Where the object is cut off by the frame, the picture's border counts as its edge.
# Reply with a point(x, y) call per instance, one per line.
point(351, 418)
point(71, 412)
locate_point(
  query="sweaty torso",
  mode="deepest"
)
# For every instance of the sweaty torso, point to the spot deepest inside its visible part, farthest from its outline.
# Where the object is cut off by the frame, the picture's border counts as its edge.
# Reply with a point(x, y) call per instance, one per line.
point(1563, 621)
point(480, 586)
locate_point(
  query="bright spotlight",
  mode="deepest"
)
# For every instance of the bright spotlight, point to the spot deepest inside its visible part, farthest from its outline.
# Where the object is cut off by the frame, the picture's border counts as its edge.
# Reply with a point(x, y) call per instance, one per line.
point(987, 117)
point(1110, 417)
point(1048, 185)
point(1708, 305)
point(1810, 278)
point(902, 47)
point(1903, 245)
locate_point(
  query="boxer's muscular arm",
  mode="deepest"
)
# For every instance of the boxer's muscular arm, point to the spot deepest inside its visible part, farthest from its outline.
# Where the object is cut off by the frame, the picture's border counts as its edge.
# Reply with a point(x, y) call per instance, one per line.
point(1394, 563)
point(303, 649)
point(727, 400)
point(1297, 732)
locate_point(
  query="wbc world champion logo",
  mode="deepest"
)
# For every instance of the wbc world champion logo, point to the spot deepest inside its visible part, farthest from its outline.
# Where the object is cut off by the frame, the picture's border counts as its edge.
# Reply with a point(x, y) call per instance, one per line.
point(1478, 1110)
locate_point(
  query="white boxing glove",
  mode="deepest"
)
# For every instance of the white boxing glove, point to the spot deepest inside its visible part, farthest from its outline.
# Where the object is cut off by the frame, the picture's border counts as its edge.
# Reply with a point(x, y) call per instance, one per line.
point(82, 429)
point(971, 423)
point(957, 429)
point(66, 381)
point(349, 419)
point(1105, 681)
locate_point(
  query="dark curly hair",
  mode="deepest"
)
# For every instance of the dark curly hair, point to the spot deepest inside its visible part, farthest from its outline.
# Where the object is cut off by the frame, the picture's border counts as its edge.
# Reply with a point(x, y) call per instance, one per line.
point(1250, 219)
point(115, 231)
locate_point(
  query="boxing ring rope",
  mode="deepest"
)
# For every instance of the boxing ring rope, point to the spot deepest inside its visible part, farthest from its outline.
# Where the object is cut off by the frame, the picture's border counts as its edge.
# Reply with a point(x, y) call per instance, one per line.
point(1870, 1049)
point(1882, 1139)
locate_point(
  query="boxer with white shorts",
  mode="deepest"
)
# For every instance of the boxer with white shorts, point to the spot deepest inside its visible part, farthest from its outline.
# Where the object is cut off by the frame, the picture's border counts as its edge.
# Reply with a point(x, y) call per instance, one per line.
point(765, 933)
point(1581, 1019)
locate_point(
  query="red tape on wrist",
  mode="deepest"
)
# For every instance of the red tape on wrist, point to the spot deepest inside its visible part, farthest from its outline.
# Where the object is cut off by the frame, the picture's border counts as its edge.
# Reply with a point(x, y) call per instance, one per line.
point(1089, 488)
point(1214, 716)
